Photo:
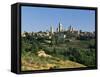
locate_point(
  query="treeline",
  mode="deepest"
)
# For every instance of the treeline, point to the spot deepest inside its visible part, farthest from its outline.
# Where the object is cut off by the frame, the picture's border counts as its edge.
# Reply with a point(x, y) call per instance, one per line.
point(83, 56)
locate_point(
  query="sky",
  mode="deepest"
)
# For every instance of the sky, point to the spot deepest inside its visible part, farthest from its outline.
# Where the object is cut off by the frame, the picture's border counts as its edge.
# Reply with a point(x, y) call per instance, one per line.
point(34, 19)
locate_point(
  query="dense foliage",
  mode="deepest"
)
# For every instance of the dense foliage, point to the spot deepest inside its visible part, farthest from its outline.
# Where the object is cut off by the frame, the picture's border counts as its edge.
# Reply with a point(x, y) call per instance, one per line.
point(81, 51)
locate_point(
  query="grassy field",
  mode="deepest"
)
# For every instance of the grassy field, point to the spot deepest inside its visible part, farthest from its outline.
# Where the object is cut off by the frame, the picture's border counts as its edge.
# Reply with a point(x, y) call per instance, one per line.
point(33, 62)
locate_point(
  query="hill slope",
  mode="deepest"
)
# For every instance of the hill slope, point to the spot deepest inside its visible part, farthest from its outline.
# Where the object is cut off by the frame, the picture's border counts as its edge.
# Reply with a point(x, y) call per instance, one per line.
point(44, 63)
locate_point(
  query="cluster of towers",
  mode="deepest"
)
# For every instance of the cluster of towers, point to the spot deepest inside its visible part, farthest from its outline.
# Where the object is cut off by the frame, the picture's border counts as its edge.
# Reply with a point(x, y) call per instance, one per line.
point(60, 28)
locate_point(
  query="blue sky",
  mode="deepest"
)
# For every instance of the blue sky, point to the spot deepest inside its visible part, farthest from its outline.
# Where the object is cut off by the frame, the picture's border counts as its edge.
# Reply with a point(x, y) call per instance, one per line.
point(40, 19)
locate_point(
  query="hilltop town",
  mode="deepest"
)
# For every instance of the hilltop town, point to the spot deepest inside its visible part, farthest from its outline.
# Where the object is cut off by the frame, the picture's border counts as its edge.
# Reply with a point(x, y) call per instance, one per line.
point(68, 34)
point(60, 48)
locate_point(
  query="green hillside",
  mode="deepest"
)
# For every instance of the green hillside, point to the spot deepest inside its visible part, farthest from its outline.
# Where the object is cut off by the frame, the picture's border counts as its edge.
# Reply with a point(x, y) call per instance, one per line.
point(43, 63)
point(57, 53)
